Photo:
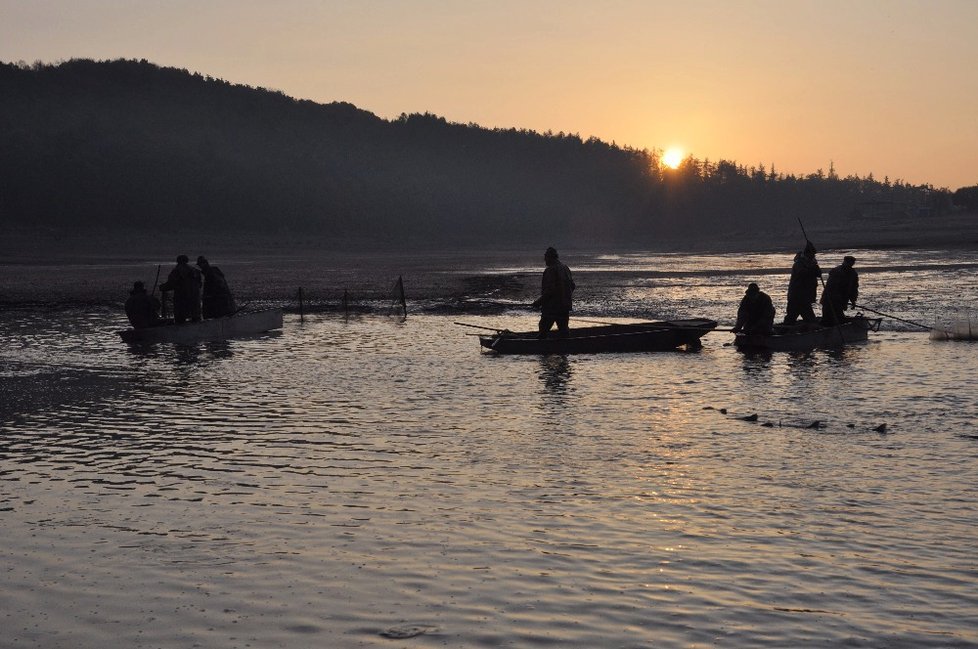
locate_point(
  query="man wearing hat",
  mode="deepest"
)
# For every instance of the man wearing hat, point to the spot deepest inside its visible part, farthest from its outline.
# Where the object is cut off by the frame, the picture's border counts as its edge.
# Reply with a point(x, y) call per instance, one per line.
point(755, 315)
point(142, 310)
point(555, 296)
point(841, 288)
point(803, 286)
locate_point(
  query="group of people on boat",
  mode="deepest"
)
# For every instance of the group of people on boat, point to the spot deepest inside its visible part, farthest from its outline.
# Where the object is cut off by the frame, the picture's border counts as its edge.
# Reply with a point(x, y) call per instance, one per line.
point(756, 312)
point(198, 293)
point(755, 315)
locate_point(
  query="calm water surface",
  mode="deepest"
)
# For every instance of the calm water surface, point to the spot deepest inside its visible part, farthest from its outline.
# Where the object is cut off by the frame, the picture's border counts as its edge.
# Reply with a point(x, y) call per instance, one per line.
point(368, 482)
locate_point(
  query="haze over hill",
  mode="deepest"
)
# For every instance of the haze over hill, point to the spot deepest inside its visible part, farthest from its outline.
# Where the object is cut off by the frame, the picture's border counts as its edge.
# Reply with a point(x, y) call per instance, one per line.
point(127, 146)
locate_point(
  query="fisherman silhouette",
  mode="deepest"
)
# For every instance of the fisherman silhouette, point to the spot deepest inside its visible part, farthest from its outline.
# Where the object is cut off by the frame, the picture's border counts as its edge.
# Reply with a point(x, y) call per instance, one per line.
point(556, 292)
point(184, 281)
point(841, 289)
point(755, 315)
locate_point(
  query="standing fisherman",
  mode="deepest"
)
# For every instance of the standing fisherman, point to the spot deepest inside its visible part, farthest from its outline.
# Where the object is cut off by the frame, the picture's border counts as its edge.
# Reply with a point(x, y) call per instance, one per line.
point(184, 281)
point(217, 300)
point(556, 292)
point(803, 286)
point(842, 288)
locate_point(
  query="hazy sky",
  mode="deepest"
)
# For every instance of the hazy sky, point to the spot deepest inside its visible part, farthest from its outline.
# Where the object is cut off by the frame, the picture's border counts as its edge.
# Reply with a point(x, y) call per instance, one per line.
point(882, 87)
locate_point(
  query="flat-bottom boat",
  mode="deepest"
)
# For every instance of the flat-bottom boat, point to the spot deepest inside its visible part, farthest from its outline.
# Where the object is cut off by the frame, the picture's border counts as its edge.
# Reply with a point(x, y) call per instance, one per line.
point(806, 336)
point(189, 333)
point(642, 337)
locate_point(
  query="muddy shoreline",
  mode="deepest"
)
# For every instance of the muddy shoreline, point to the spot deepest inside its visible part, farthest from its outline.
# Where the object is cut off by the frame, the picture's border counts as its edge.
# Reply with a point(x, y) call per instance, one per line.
point(52, 269)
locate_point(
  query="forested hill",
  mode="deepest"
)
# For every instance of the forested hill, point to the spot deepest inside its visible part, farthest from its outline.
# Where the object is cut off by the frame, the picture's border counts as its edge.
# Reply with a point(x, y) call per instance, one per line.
point(128, 145)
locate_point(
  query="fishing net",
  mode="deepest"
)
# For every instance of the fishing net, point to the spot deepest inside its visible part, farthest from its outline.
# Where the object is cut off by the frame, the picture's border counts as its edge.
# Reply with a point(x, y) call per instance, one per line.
point(963, 327)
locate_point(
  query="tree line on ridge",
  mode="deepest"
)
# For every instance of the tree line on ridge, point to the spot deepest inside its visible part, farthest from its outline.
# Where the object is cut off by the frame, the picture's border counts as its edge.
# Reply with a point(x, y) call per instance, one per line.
point(127, 145)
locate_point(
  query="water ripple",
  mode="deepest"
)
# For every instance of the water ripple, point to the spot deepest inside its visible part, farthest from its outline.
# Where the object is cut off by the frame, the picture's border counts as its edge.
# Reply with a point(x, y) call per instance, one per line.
point(355, 482)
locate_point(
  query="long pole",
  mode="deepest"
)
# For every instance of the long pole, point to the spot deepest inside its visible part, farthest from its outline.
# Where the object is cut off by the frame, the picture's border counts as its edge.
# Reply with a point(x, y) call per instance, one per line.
point(465, 324)
point(156, 281)
point(153, 292)
point(400, 285)
point(916, 324)
point(807, 240)
point(645, 322)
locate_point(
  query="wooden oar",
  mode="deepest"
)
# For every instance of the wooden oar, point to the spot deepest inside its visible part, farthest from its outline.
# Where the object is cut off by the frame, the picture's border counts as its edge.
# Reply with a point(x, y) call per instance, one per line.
point(916, 324)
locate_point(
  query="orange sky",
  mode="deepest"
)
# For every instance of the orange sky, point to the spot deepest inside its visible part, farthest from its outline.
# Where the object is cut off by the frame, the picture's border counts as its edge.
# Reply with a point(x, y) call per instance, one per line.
point(883, 87)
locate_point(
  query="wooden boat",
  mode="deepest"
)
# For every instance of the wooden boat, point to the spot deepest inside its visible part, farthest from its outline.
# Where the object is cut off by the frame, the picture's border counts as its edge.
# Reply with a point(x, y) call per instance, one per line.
point(189, 333)
point(643, 337)
point(806, 336)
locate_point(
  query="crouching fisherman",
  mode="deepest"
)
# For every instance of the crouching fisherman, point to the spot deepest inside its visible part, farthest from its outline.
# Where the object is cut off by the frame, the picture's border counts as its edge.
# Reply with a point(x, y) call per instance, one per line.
point(143, 310)
point(756, 312)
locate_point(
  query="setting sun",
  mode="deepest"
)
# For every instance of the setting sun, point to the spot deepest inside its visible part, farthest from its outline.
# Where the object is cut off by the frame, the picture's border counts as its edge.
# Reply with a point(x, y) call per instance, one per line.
point(672, 158)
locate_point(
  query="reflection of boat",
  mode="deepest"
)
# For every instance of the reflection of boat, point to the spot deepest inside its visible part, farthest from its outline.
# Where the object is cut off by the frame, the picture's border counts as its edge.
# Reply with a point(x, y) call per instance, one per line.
point(805, 336)
point(189, 333)
point(643, 337)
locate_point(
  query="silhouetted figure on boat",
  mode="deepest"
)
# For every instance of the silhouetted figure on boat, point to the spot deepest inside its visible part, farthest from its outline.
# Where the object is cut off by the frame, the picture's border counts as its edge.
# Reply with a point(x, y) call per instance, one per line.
point(803, 286)
point(217, 298)
point(841, 289)
point(556, 294)
point(142, 309)
point(755, 315)
point(184, 281)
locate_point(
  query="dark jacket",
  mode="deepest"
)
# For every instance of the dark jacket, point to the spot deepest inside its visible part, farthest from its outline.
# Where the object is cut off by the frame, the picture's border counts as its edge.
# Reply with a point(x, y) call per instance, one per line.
point(755, 314)
point(556, 289)
point(142, 310)
point(842, 286)
point(184, 281)
point(217, 298)
point(803, 285)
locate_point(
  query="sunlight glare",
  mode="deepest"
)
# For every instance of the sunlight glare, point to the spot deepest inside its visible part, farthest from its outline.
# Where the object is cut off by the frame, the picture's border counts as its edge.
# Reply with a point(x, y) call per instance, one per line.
point(672, 158)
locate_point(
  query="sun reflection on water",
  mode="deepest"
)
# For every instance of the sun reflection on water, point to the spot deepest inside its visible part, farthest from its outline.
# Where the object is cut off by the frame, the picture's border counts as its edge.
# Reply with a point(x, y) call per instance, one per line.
point(388, 475)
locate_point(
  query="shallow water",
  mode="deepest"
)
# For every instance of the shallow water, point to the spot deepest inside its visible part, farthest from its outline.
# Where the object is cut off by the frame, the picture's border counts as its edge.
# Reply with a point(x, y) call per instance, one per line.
point(371, 482)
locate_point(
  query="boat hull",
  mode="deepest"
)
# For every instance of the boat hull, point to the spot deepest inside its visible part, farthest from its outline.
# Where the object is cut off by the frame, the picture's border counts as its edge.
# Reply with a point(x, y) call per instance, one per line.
point(614, 338)
point(805, 337)
point(189, 333)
